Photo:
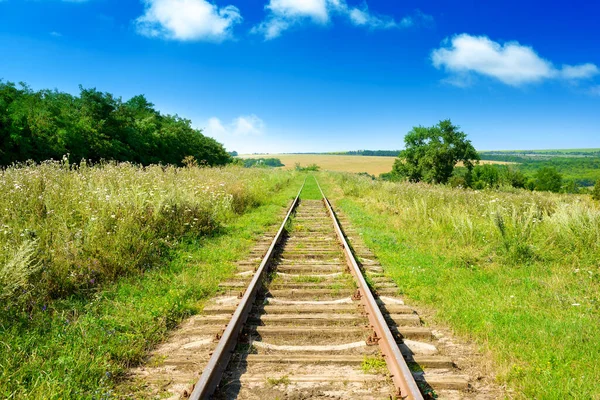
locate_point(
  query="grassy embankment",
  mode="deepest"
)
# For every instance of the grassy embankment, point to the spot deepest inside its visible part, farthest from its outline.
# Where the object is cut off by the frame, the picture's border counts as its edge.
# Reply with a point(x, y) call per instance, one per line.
point(517, 273)
point(98, 264)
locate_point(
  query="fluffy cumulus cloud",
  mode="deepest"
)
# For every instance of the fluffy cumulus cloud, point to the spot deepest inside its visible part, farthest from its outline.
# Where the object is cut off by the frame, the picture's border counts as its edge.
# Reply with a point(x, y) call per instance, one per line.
point(187, 20)
point(243, 126)
point(511, 63)
point(283, 14)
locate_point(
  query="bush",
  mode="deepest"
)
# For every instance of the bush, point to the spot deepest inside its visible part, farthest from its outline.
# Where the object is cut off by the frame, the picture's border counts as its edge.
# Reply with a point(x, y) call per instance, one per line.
point(485, 176)
point(596, 191)
point(308, 168)
point(548, 179)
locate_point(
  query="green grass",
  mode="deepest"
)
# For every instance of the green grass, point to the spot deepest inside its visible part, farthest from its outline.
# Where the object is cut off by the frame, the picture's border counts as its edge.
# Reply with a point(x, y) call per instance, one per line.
point(311, 190)
point(284, 380)
point(375, 365)
point(528, 293)
point(80, 346)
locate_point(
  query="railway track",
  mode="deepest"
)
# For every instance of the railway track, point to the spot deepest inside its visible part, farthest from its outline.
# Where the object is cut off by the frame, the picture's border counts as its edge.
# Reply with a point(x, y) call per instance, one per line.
point(302, 322)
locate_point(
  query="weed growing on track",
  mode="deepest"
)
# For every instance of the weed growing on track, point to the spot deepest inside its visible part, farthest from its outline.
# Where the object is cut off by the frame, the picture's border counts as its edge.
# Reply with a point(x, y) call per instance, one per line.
point(374, 365)
point(80, 345)
point(515, 271)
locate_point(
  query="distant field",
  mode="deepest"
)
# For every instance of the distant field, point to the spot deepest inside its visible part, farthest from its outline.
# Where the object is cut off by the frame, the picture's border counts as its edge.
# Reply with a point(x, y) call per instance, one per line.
point(370, 164)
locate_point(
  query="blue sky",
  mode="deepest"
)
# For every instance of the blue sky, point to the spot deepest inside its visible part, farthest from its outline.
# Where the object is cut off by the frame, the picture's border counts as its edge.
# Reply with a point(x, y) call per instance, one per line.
point(326, 75)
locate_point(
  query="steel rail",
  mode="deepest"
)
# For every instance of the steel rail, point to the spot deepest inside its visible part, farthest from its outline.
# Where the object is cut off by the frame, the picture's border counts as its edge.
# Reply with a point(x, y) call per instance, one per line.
point(401, 375)
point(212, 374)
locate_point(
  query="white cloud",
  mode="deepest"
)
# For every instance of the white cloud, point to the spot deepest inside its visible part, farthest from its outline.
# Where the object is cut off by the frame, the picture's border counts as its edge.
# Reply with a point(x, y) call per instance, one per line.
point(284, 14)
point(583, 71)
point(364, 18)
point(510, 63)
point(315, 9)
point(245, 134)
point(187, 20)
point(247, 125)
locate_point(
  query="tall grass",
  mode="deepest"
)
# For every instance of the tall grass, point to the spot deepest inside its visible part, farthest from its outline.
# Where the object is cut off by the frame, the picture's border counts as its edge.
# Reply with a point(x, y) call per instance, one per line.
point(518, 225)
point(66, 230)
point(514, 270)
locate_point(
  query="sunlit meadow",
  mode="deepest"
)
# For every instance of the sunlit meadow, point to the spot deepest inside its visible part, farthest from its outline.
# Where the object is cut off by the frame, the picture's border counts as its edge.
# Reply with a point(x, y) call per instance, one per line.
point(65, 230)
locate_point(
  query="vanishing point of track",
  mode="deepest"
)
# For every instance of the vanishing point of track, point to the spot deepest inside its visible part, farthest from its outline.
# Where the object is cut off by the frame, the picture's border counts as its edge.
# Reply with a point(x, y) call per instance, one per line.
point(305, 314)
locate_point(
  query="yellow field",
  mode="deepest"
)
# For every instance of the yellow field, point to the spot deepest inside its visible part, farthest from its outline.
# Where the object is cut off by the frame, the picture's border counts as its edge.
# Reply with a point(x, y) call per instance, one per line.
point(371, 165)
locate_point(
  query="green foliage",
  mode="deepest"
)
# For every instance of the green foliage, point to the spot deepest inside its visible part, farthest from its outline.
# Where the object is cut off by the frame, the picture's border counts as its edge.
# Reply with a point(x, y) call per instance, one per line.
point(582, 168)
point(45, 124)
point(490, 176)
point(308, 168)
point(16, 270)
point(374, 365)
point(596, 191)
point(88, 226)
point(548, 179)
point(262, 162)
point(485, 176)
point(431, 154)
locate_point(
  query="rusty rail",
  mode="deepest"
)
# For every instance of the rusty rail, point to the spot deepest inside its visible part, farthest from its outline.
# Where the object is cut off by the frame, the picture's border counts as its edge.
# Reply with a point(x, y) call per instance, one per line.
point(211, 376)
point(401, 375)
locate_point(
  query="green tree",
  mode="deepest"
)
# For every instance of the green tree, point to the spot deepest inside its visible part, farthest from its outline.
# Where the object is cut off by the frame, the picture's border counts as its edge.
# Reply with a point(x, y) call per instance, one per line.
point(596, 191)
point(485, 176)
point(431, 154)
point(548, 179)
point(42, 125)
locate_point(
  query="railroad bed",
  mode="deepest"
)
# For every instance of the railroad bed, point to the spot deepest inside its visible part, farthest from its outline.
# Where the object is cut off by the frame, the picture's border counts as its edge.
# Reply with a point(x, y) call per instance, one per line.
point(306, 332)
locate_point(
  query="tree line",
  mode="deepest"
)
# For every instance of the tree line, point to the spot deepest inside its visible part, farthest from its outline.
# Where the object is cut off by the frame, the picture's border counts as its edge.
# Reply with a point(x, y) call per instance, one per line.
point(49, 124)
point(260, 162)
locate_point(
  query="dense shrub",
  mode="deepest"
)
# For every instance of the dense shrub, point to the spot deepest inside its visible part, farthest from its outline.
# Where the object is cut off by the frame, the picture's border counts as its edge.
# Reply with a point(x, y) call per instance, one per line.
point(596, 191)
point(548, 179)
